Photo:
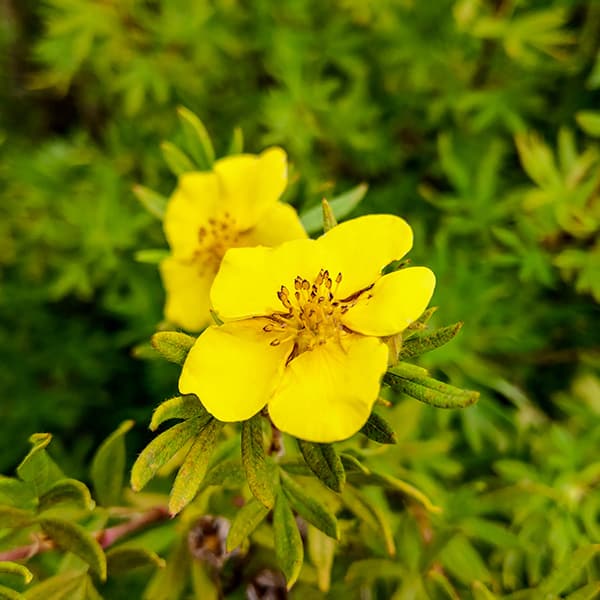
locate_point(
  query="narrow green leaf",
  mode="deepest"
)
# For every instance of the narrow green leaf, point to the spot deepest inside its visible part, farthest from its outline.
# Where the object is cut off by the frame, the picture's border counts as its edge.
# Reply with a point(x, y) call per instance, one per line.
point(379, 430)
point(589, 121)
point(325, 463)
point(13, 568)
point(424, 342)
point(321, 551)
point(437, 583)
point(203, 582)
point(91, 593)
point(341, 206)
point(259, 475)
point(177, 161)
point(13, 518)
point(180, 407)
point(66, 490)
point(461, 559)
point(569, 570)
point(126, 558)
point(356, 503)
point(309, 508)
point(8, 594)
point(407, 489)
point(152, 201)
point(74, 538)
point(151, 256)
point(236, 145)
point(173, 345)
point(108, 466)
point(161, 449)
point(228, 474)
point(329, 220)
point(288, 543)
point(430, 391)
point(376, 501)
point(370, 569)
point(480, 592)
point(591, 591)
point(352, 463)
point(195, 464)
point(198, 141)
point(65, 586)
point(246, 520)
point(15, 492)
point(37, 468)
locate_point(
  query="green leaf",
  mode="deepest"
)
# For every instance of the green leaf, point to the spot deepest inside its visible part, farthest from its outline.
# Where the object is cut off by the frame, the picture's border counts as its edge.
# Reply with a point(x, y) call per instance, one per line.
point(288, 543)
point(356, 503)
point(37, 468)
point(65, 586)
point(173, 345)
point(352, 464)
point(108, 466)
point(480, 592)
point(424, 342)
point(8, 594)
point(569, 570)
point(587, 592)
point(236, 145)
point(321, 551)
point(15, 492)
point(13, 568)
point(228, 474)
point(66, 490)
point(203, 582)
point(463, 561)
point(258, 474)
point(180, 407)
point(13, 518)
point(589, 121)
point(161, 449)
point(177, 161)
point(405, 488)
point(340, 206)
point(309, 508)
point(378, 429)
point(152, 201)
point(329, 220)
point(126, 558)
point(429, 390)
point(246, 520)
point(151, 256)
point(198, 142)
point(195, 464)
point(438, 583)
point(74, 538)
point(325, 463)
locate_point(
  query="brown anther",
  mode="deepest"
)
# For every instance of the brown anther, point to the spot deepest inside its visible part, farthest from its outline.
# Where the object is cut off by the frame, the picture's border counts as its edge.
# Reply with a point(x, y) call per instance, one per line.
point(338, 279)
point(328, 283)
point(275, 342)
point(268, 328)
point(305, 284)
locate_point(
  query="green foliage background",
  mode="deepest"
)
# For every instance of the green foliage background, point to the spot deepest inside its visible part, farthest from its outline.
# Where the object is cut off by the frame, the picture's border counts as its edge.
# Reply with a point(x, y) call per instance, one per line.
point(476, 120)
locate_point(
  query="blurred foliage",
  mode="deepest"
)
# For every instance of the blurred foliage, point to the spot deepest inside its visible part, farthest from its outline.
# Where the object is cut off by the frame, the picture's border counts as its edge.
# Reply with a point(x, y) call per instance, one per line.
point(476, 120)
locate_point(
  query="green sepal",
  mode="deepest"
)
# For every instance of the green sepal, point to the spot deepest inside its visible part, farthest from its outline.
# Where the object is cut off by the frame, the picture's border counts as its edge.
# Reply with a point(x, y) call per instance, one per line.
point(151, 256)
point(66, 490)
point(180, 407)
point(152, 201)
point(64, 586)
point(309, 508)
point(420, 343)
point(325, 463)
point(198, 142)
point(8, 594)
point(177, 161)
point(13, 518)
point(71, 537)
point(288, 543)
point(194, 467)
point(258, 473)
point(246, 520)
point(161, 449)
point(108, 466)
point(236, 146)
point(379, 430)
point(173, 345)
point(428, 390)
point(126, 558)
point(329, 220)
point(340, 206)
point(13, 568)
point(37, 468)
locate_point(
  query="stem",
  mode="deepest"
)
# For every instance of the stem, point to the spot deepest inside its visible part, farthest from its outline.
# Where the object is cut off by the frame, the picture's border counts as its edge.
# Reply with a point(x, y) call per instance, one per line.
point(105, 537)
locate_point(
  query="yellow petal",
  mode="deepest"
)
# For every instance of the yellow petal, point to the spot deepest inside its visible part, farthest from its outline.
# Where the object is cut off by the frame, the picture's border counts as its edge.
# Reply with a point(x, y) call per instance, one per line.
point(195, 200)
point(360, 248)
point(187, 303)
point(234, 369)
point(280, 223)
point(249, 278)
point(251, 184)
point(326, 394)
point(395, 301)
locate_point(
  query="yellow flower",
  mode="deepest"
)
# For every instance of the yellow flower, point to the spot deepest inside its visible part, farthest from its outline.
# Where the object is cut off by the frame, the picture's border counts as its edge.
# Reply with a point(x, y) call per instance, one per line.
point(303, 328)
point(234, 205)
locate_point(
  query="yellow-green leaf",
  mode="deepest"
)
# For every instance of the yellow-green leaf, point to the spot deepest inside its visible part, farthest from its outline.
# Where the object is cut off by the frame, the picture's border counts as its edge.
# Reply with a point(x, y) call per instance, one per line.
point(325, 463)
point(424, 342)
point(288, 543)
point(177, 161)
point(37, 468)
point(66, 490)
point(173, 345)
point(180, 407)
point(13, 518)
point(198, 142)
point(126, 558)
point(258, 474)
point(321, 551)
point(379, 430)
point(246, 520)
point(13, 568)
point(152, 201)
point(65, 586)
point(8, 594)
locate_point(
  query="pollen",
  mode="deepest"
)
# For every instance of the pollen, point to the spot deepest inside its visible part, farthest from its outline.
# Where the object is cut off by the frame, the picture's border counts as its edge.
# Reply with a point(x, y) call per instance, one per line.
point(214, 239)
point(311, 315)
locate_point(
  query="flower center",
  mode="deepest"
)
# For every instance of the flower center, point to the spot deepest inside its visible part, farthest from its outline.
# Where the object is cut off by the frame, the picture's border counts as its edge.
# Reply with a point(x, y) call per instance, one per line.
point(312, 314)
point(214, 239)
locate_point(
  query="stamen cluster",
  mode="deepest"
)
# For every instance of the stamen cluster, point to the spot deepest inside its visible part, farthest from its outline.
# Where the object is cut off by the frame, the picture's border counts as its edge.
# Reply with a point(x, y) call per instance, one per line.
point(215, 239)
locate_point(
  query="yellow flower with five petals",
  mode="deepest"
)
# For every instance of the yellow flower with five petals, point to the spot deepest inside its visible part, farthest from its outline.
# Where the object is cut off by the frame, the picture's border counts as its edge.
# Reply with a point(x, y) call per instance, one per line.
point(234, 205)
point(304, 328)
